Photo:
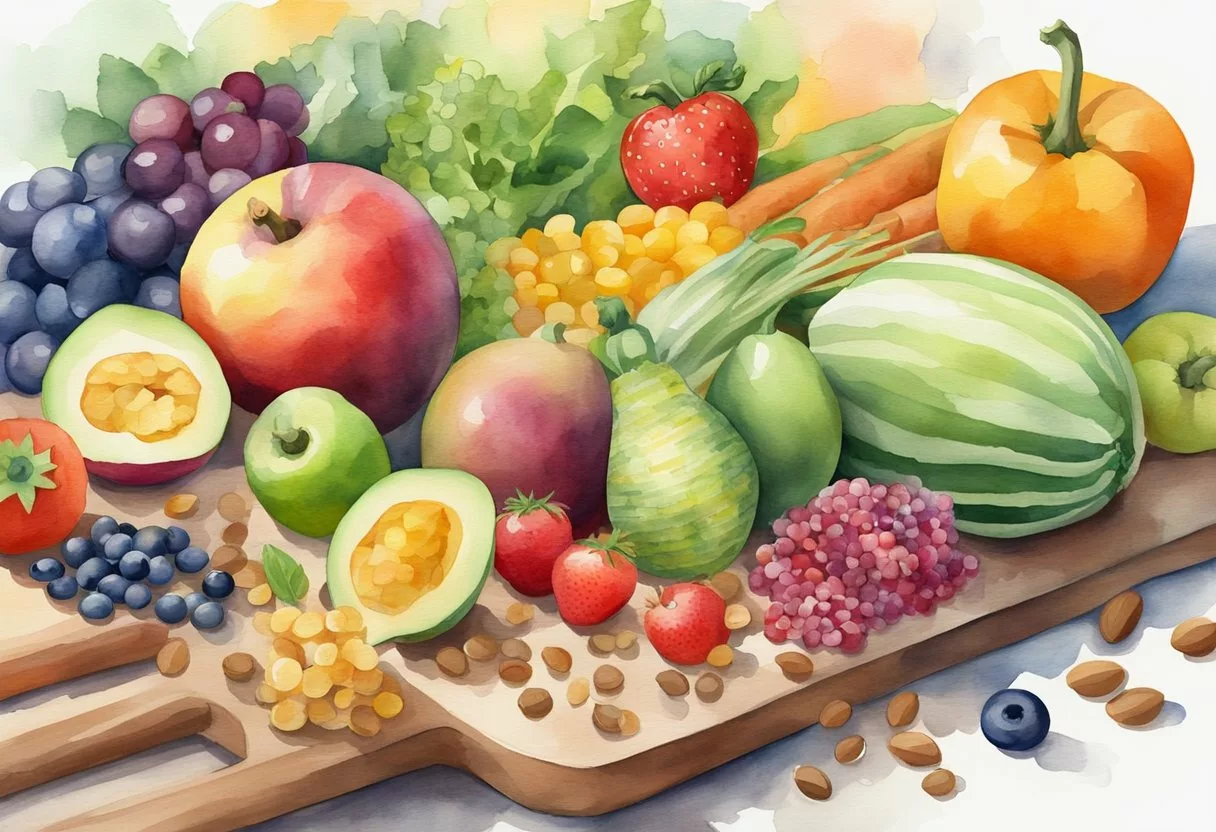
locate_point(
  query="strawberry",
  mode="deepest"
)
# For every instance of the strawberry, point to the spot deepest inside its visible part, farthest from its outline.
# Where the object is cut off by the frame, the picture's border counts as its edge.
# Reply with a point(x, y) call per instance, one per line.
point(528, 537)
point(686, 622)
point(685, 152)
point(593, 579)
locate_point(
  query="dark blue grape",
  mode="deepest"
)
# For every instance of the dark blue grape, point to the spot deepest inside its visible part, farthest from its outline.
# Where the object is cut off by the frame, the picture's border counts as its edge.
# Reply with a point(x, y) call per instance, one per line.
point(117, 545)
point(137, 596)
point(96, 606)
point(76, 550)
point(207, 616)
point(101, 167)
point(191, 559)
point(113, 587)
point(47, 569)
point(178, 539)
point(61, 589)
point(18, 314)
point(160, 293)
point(67, 237)
point(160, 570)
point(92, 571)
point(141, 234)
point(24, 268)
point(188, 207)
point(151, 540)
point(171, 608)
point(194, 600)
point(155, 168)
point(54, 313)
point(134, 565)
point(52, 187)
point(177, 259)
point(5, 385)
point(111, 202)
point(128, 529)
point(218, 584)
point(17, 217)
point(102, 528)
point(27, 360)
point(100, 284)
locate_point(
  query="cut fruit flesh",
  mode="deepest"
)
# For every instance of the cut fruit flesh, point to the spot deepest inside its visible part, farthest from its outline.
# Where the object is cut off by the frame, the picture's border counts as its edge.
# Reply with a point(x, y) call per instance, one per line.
point(405, 555)
point(147, 395)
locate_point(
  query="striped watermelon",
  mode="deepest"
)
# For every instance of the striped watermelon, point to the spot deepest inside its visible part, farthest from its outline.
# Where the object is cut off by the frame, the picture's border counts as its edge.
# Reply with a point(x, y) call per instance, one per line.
point(984, 380)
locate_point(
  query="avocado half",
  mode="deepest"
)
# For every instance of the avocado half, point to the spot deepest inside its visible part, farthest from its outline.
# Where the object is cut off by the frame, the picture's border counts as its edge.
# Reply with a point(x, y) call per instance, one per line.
point(94, 384)
point(413, 521)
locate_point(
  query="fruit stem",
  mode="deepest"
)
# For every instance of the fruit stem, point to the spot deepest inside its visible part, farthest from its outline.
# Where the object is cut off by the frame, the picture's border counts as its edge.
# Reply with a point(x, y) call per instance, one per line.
point(659, 90)
point(1063, 133)
point(1191, 373)
point(554, 333)
point(20, 469)
point(282, 229)
point(294, 441)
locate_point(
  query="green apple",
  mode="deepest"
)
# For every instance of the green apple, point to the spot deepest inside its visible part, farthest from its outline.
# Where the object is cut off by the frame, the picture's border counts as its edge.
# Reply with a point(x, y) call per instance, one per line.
point(310, 456)
point(1174, 357)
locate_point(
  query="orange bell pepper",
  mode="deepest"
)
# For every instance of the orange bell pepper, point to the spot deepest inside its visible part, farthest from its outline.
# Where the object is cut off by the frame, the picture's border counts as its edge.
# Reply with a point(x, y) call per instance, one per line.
point(1082, 179)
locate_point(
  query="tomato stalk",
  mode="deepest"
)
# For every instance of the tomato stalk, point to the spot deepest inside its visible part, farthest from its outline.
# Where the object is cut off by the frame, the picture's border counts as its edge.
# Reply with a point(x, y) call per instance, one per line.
point(1062, 134)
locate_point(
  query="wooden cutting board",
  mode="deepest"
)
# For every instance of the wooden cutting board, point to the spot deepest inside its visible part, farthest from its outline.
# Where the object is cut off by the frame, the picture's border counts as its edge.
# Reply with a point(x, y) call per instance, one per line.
point(559, 764)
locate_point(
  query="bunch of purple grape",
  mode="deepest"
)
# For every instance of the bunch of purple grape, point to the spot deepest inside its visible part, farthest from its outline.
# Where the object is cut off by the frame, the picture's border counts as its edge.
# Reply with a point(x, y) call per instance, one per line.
point(115, 228)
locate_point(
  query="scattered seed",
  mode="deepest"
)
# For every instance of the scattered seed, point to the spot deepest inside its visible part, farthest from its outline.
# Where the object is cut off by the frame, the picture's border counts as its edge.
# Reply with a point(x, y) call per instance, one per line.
point(737, 617)
point(239, 667)
point(174, 657)
point(939, 783)
point(1120, 616)
point(578, 691)
point(320, 712)
point(250, 575)
point(1194, 637)
point(608, 679)
point(286, 648)
point(902, 709)
point(235, 534)
point(181, 506)
point(520, 612)
point(850, 749)
point(229, 558)
point(1096, 678)
point(556, 659)
point(514, 671)
point(288, 715)
point(603, 643)
point(535, 703)
point(514, 648)
point(709, 687)
point(261, 620)
point(915, 749)
point(835, 713)
point(387, 704)
point(308, 625)
point(720, 656)
point(364, 722)
point(481, 648)
point(726, 584)
point(796, 666)
point(1136, 706)
point(233, 508)
point(259, 595)
point(285, 674)
point(452, 662)
point(812, 782)
point(607, 718)
point(630, 724)
point(673, 682)
point(316, 683)
point(626, 639)
point(282, 619)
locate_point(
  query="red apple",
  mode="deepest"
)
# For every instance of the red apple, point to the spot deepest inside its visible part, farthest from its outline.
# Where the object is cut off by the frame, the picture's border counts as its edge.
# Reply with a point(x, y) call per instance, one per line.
point(325, 275)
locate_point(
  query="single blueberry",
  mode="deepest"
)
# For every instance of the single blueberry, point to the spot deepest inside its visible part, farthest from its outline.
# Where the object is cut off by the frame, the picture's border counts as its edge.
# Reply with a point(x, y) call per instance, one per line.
point(192, 559)
point(137, 596)
point(27, 360)
point(92, 571)
point(128, 529)
point(171, 608)
point(218, 584)
point(54, 315)
point(61, 589)
point(76, 550)
point(96, 606)
point(134, 565)
point(117, 545)
point(194, 600)
point(113, 587)
point(48, 569)
point(18, 311)
point(103, 527)
point(207, 616)
point(160, 570)
point(52, 187)
point(152, 541)
point(1015, 720)
point(176, 539)
point(23, 268)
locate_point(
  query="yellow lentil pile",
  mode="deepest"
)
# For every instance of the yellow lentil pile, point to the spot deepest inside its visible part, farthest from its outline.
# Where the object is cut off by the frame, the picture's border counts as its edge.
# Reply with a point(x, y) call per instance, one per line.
point(152, 397)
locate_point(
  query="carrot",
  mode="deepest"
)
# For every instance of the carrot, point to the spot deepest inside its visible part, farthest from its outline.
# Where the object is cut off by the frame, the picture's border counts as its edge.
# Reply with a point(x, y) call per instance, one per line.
point(766, 202)
point(905, 173)
point(911, 219)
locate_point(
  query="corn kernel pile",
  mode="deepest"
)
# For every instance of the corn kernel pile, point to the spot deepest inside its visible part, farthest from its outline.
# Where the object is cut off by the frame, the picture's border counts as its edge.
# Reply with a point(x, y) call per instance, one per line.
point(152, 397)
point(320, 670)
point(559, 273)
point(405, 555)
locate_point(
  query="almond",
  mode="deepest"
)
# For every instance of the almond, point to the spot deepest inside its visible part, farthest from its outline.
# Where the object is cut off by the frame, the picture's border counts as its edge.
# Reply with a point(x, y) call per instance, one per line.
point(835, 713)
point(672, 682)
point(915, 749)
point(1096, 678)
point(174, 657)
point(796, 666)
point(1120, 616)
point(812, 782)
point(608, 679)
point(939, 783)
point(902, 709)
point(602, 643)
point(181, 506)
point(535, 703)
point(1136, 706)
point(556, 659)
point(452, 662)
point(850, 749)
point(514, 671)
point(514, 648)
point(737, 617)
point(726, 584)
point(607, 718)
point(1194, 637)
point(709, 687)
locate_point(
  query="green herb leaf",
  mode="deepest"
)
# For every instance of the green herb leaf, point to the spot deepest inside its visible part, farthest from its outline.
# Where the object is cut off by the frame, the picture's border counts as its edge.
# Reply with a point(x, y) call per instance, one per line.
point(82, 128)
point(120, 86)
point(284, 574)
point(764, 104)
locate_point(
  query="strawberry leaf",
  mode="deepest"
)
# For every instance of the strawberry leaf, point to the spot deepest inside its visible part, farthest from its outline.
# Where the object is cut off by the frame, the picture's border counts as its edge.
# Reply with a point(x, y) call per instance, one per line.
point(522, 504)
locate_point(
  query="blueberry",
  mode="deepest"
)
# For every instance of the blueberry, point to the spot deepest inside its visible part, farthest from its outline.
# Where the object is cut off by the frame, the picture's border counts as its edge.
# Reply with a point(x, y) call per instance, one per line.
point(61, 589)
point(171, 608)
point(92, 571)
point(134, 565)
point(101, 167)
point(111, 202)
point(48, 569)
point(152, 541)
point(160, 293)
point(207, 616)
point(17, 217)
point(127, 529)
point(96, 606)
point(218, 584)
point(5, 385)
point(23, 268)
point(52, 187)
point(76, 550)
point(160, 571)
point(113, 587)
point(1015, 720)
point(177, 539)
point(99, 284)
point(194, 600)
point(18, 313)
point(192, 559)
point(67, 237)
point(27, 361)
point(54, 314)
point(117, 545)
point(137, 596)
point(103, 527)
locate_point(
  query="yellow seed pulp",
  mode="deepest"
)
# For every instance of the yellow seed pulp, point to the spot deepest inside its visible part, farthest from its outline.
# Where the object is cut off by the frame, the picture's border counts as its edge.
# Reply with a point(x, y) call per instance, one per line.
point(406, 554)
point(150, 396)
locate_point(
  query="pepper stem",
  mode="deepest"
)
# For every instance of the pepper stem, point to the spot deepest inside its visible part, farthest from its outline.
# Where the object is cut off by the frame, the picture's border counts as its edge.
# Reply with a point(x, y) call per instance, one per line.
point(20, 469)
point(1191, 373)
point(282, 229)
point(1063, 132)
point(294, 441)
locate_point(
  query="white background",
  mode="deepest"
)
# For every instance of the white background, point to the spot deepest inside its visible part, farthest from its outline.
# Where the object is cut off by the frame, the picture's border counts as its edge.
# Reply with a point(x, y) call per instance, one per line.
point(1090, 774)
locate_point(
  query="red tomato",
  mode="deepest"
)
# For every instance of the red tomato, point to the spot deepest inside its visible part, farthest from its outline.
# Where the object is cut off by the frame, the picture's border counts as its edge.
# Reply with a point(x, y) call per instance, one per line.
point(42, 485)
point(529, 536)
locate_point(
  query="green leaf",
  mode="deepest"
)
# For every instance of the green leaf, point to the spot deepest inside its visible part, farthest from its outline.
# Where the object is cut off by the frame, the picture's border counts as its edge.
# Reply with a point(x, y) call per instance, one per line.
point(284, 574)
point(305, 78)
point(173, 72)
point(764, 104)
point(120, 86)
point(82, 128)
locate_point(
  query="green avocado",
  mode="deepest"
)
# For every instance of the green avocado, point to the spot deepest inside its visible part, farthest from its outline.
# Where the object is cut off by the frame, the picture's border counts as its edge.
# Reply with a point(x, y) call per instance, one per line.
point(421, 519)
point(772, 390)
